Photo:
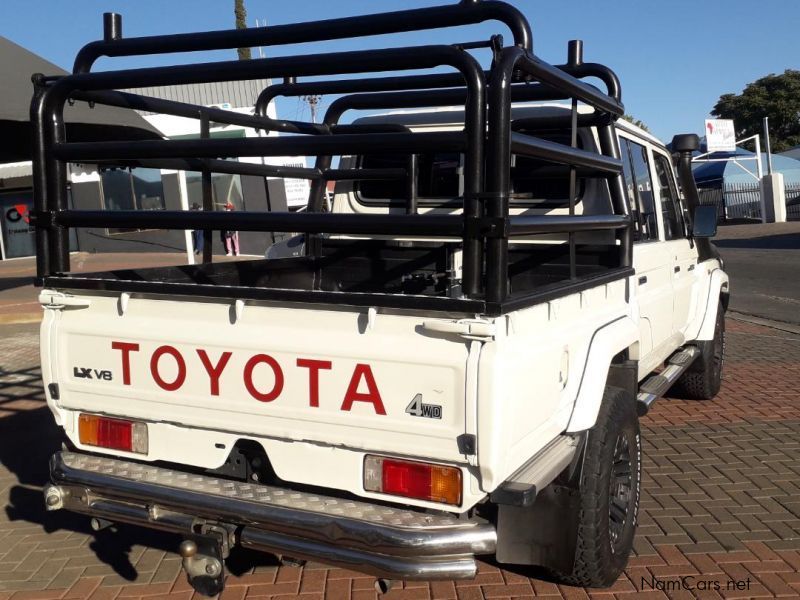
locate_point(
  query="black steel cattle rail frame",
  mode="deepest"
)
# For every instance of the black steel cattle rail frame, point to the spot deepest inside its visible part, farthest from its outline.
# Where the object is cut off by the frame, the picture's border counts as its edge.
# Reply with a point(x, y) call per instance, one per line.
point(487, 142)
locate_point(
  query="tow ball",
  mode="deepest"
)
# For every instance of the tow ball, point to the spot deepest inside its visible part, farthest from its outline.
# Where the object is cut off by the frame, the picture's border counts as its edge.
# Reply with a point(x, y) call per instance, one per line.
point(204, 557)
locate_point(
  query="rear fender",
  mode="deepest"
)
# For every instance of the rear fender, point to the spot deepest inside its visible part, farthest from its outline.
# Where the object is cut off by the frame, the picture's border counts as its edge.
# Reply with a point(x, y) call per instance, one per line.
point(607, 342)
point(718, 288)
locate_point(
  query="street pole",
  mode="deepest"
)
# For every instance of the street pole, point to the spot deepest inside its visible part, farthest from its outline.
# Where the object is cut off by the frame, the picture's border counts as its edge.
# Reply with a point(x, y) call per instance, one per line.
point(767, 146)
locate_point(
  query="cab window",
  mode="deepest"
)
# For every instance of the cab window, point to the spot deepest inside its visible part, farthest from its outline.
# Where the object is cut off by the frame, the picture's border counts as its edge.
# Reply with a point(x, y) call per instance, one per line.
point(671, 212)
point(639, 187)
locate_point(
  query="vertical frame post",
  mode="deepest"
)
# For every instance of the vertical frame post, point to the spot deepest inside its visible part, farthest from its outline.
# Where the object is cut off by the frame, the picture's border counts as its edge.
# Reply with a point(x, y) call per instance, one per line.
point(207, 190)
point(498, 170)
point(411, 206)
point(41, 232)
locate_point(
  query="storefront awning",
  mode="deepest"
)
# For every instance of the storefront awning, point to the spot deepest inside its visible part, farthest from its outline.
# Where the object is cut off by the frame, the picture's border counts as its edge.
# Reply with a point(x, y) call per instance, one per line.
point(83, 123)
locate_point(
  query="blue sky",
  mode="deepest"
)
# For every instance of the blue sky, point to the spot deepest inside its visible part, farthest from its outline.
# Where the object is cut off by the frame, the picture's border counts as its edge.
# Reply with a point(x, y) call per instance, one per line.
point(674, 58)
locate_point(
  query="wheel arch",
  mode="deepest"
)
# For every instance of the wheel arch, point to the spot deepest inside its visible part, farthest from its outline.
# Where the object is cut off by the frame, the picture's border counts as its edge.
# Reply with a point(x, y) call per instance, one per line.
point(616, 340)
point(718, 292)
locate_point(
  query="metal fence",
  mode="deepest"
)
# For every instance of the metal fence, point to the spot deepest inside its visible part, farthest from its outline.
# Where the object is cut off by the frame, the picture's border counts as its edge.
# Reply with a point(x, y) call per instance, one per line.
point(742, 201)
point(734, 201)
point(793, 201)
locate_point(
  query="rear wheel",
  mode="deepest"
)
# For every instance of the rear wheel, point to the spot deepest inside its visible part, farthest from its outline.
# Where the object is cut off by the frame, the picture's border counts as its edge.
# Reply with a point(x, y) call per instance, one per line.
point(609, 494)
point(704, 377)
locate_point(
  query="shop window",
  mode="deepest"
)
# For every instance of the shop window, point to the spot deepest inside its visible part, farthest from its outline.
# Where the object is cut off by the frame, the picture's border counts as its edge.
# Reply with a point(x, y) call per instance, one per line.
point(225, 189)
point(132, 189)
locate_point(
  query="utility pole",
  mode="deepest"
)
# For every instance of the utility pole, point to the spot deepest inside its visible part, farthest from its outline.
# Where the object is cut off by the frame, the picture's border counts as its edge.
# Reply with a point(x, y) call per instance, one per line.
point(240, 12)
point(313, 103)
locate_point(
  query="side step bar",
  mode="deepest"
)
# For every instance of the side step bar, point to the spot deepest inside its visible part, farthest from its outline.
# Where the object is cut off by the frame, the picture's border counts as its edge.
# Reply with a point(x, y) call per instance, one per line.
point(658, 385)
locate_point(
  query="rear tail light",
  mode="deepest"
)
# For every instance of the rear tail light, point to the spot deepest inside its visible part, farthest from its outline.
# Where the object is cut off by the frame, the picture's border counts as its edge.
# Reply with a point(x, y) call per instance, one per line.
point(115, 434)
point(423, 481)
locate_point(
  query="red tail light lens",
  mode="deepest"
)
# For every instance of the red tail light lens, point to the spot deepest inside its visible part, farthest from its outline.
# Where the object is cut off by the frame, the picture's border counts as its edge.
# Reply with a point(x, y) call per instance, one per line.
point(115, 434)
point(411, 479)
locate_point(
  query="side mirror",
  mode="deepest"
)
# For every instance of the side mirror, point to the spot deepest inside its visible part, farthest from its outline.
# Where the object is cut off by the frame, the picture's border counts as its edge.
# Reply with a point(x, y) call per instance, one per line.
point(685, 142)
point(705, 221)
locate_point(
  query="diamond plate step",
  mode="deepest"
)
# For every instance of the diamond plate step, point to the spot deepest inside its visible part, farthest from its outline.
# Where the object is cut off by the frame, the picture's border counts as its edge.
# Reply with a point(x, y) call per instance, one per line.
point(307, 515)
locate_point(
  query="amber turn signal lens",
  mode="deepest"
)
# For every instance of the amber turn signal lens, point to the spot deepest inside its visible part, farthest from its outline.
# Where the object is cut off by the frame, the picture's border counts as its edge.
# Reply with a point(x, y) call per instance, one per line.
point(114, 434)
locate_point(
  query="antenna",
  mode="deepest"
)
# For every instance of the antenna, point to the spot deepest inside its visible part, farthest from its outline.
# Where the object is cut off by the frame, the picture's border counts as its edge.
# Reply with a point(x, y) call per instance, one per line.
point(313, 102)
point(260, 48)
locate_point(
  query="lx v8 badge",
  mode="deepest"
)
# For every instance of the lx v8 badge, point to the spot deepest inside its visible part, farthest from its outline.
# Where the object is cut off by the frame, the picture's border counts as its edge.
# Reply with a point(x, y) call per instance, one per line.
point(82, 373)
point(419, 409)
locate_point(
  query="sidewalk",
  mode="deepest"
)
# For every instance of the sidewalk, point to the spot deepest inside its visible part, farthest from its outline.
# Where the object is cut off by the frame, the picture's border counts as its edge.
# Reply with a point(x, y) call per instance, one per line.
point(18, 296)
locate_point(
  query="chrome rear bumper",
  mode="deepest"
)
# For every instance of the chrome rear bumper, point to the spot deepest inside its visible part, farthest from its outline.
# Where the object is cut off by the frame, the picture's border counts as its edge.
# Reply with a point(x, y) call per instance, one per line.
point(387, 542)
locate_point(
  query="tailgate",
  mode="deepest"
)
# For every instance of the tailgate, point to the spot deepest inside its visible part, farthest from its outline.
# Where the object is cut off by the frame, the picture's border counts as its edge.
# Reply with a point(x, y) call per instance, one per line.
point(328, 375)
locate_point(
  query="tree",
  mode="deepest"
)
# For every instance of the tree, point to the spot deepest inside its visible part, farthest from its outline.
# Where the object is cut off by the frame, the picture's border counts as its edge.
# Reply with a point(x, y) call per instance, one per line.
point(241, 23)
point(773, 96)
point(639, 123)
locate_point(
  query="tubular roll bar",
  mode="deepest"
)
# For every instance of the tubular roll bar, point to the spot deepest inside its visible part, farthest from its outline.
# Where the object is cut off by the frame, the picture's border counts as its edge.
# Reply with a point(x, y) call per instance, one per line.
point(466, 12)
point(487, 142)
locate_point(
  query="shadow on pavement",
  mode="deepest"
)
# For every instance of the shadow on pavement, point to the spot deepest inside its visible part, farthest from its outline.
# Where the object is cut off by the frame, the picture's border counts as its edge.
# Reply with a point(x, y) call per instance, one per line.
point(786, 241)
point(28, 438)
point(8, 283)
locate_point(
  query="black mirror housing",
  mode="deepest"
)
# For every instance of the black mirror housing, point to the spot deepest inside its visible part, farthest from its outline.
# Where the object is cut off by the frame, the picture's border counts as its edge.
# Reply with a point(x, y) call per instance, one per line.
point(705, 221)
point(685, 142)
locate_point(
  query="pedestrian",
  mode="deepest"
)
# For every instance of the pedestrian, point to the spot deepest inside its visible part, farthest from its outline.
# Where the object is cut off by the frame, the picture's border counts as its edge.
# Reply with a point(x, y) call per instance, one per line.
point(197, 234)
point(230, 239)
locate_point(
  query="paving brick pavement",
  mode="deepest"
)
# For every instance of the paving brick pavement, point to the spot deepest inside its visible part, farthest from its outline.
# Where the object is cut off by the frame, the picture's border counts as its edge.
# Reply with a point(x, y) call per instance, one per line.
point(720, 509)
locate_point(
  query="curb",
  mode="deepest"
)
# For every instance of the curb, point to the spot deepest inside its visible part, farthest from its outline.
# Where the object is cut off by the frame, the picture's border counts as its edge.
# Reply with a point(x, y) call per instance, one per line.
point(779, 325)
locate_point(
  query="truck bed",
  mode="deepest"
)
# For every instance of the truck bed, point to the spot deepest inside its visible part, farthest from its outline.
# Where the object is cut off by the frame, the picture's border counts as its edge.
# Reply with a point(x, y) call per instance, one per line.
point(365, 272)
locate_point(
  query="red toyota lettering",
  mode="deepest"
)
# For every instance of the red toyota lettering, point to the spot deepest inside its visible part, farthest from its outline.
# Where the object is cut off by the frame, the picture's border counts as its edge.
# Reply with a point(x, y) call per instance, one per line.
point(313, 367)
point(277, 387)
point(372, 395)
point(126, 348)
point(214, 371)
point(179, 379)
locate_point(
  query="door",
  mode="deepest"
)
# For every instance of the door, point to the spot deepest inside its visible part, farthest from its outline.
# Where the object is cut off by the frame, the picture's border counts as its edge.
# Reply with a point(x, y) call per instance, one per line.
point(682, 251)
point(651, 258)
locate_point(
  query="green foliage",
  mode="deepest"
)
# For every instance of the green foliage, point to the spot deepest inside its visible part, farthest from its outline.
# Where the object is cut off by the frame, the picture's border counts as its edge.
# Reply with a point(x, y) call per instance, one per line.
point(773, 96)
point(241, 23)
point(639, 123)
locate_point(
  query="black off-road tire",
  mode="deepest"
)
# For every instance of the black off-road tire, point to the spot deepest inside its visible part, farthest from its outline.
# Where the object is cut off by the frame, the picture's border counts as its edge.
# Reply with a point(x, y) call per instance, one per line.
point(610, 481)
point(704, 377)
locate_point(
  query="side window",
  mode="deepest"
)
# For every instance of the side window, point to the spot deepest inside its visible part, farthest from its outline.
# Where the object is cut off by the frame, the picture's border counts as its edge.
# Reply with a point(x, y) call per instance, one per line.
point(639, 185)
point(671, 212)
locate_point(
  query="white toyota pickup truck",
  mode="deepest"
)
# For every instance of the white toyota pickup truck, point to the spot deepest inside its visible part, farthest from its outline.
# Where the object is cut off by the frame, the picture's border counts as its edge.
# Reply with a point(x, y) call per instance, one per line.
point(446, 361)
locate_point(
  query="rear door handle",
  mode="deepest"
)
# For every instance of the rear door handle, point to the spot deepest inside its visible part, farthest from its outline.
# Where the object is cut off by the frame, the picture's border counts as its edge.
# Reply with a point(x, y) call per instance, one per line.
point(642, 279)
point(691, 267)
point(677, 269)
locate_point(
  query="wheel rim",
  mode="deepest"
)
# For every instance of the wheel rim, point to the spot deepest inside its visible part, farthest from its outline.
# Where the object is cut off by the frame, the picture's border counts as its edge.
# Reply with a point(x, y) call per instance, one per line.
point(620, 490)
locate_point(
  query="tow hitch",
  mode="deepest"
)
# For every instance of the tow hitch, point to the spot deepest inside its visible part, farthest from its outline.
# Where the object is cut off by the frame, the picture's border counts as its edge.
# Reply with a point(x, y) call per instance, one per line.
point(204, 557)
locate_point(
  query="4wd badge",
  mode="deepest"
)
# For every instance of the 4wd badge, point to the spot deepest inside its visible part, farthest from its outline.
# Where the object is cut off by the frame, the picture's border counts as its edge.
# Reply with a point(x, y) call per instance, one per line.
point(419, 409)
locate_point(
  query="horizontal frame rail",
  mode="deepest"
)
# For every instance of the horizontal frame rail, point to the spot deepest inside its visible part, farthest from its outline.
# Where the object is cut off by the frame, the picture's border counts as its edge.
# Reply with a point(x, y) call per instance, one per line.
point(386, 224)
point(352, 143)
point(169, 107)
point(540, 224)
point(528, 145)
point(418, 225)
point(468, 12)
point(228, 167)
